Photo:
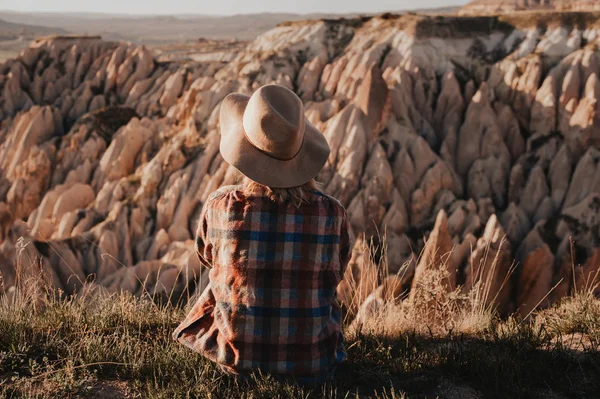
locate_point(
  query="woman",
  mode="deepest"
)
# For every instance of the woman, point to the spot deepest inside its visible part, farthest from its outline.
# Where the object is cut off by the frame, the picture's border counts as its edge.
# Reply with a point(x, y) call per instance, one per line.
point(277, 248)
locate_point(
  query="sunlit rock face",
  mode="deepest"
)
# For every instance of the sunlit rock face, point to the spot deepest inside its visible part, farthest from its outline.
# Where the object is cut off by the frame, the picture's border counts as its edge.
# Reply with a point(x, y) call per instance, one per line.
point(507, 6)
point(471, 145)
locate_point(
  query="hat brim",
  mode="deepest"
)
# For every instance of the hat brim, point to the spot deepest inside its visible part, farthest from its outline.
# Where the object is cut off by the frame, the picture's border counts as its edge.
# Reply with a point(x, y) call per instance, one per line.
point(259, 166)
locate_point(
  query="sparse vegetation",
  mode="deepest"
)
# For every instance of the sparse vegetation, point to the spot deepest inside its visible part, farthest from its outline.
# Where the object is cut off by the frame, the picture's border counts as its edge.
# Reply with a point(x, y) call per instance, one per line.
point(117, 345)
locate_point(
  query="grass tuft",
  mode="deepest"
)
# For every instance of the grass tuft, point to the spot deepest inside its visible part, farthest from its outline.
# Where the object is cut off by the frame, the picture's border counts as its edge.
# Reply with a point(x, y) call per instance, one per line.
point(119, 345)
point(440, 343)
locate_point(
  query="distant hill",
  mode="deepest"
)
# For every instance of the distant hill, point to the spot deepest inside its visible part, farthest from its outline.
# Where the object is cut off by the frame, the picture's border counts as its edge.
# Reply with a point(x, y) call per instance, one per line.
point(15, 36)
point(169, 29)
point(17, 29)
point(159, 29)
point(12, 30)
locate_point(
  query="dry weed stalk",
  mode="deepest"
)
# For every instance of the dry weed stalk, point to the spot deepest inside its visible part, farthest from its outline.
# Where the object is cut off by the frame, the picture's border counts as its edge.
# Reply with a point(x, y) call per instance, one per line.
point(367, 272)
point(32, 287)
point(437, 309)
point(434, 309)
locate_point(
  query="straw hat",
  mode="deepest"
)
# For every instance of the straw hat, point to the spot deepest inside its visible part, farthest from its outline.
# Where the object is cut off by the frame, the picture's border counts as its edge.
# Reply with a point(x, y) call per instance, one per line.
point(268, 138)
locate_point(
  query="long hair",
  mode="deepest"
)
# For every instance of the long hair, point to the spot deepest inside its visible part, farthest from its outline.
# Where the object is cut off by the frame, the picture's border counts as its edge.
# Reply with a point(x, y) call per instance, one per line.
point(296, 195)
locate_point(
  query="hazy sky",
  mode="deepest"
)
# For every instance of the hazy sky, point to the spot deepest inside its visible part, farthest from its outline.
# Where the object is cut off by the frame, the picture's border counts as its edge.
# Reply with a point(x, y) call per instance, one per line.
point(221, 6)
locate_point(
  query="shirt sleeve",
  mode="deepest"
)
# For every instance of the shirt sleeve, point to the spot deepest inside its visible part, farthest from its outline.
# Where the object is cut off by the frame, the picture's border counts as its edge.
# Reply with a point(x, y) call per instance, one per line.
point(345, 245)
point(201, 245)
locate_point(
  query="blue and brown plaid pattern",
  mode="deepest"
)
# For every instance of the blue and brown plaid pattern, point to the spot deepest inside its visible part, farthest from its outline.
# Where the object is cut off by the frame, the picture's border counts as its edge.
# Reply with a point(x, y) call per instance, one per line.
point(270, 304)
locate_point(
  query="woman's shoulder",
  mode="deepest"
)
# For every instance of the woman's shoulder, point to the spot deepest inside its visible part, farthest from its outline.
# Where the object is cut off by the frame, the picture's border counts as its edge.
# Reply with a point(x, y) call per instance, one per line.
point(236, 193)
point(223, 192)
point(334, 202)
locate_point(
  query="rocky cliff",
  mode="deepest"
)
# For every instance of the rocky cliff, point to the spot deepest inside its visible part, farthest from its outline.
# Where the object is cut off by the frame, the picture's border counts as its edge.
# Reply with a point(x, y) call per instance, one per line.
point(471, 143)
point(507, 6)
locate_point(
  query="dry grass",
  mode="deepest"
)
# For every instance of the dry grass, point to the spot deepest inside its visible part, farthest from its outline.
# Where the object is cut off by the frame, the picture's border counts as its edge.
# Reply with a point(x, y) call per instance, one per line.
point(435, 308)
point(432, 315)
point(365, 273)
point(100, 345)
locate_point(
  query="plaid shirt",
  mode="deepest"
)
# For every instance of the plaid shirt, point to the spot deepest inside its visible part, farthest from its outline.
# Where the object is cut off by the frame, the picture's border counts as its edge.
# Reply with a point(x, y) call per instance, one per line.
point(271, 300)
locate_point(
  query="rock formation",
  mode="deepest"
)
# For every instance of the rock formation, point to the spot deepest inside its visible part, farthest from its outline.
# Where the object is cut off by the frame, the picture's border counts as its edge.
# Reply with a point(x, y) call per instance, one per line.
point(508, 6)
point(447, 135)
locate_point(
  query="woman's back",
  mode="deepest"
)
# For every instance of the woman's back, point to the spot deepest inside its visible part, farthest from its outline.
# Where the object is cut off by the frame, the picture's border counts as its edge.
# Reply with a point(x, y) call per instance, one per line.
point(275, 267)
point(277, 247)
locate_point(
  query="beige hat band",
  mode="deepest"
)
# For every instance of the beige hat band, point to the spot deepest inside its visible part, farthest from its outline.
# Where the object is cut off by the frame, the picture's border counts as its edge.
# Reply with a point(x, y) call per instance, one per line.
point(269, 154)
